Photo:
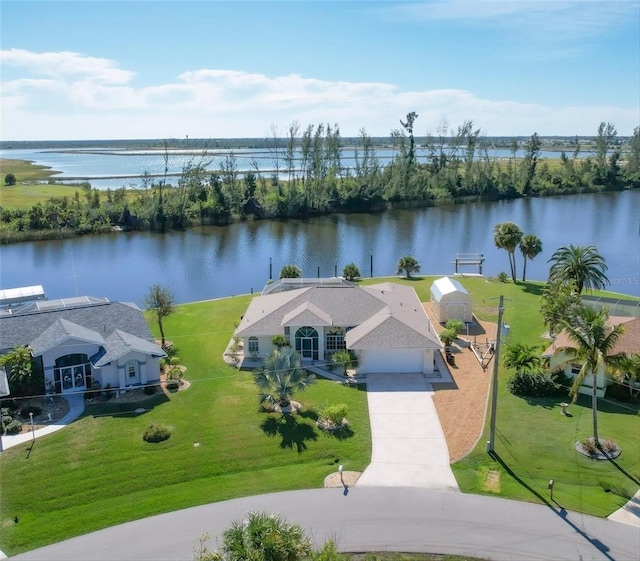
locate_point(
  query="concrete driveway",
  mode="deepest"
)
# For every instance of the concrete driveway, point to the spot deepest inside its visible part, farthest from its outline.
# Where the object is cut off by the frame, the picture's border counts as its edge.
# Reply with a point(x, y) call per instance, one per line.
point(409, 448)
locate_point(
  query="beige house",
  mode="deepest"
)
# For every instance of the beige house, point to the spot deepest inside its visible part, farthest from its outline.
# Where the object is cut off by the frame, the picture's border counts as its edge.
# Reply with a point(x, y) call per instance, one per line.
point(385, 324)
point(629, 343)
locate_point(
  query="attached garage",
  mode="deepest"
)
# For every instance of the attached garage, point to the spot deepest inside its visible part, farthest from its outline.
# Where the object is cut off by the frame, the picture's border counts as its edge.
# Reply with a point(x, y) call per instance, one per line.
point(395, 361)
point(451, 300)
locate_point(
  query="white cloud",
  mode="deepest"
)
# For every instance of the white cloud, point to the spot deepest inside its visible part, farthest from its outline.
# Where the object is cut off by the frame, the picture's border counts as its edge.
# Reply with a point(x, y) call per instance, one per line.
point(97, 100)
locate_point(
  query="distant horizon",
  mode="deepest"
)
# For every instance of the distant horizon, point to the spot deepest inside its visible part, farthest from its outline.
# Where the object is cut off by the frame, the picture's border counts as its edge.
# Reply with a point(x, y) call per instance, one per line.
point(145, 69)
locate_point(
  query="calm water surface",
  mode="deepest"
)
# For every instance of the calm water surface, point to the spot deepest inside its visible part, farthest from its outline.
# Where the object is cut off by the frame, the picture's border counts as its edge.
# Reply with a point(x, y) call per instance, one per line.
point(212, 262)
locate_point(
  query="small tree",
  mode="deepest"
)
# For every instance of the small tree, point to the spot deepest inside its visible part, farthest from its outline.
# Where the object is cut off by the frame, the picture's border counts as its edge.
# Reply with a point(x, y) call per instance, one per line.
point(351, 272)
point(280, 341)
point(454, 325)
point(159, 300)
point(344, 358)
point(10, 179)
point(522, 357)
point(408, 265)
point(447, 336)
point(17, 363)
point(290, 272)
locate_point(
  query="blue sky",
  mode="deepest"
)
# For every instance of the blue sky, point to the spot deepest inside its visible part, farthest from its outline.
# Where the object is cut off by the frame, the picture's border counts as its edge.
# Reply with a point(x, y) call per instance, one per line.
point(210, 69)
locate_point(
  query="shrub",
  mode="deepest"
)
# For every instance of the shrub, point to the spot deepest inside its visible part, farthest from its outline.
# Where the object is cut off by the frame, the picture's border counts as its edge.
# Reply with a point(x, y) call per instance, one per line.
point(534, 384)
point(334, 413)
point(173, 385)
point(175, 360)
point(29, 408)
point(502, 277)
point(447, 336)
point(14, 427)
point(155, 432)
point(454, 325)
point(280, 341)
point(108, 392)
point(174, 374)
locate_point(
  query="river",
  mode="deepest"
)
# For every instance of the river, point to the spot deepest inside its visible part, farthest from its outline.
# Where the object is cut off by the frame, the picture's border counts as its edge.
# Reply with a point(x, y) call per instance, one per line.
point(212, 262)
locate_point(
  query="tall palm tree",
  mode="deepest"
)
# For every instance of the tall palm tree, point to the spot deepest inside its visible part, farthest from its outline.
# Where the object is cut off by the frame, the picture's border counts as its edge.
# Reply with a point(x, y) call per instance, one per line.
point(583, 264)
point(530, 246)
point(265, 537)
point(408, 265)
point(594, 342)
point(281, 376)
point(507, 236)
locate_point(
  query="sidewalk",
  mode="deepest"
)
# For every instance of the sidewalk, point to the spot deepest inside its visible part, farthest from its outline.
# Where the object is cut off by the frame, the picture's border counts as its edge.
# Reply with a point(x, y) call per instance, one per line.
point(76, 407)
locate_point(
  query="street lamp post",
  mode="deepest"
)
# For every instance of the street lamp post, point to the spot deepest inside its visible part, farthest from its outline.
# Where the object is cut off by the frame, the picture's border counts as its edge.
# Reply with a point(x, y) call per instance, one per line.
point(340, 470)
point(33, 434)
point(494, 382)
point(371, 263)
point(270, 269)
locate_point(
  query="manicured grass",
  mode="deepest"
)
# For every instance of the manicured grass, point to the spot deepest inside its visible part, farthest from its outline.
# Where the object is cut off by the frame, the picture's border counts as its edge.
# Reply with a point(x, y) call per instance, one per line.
point(534, 442)
point(98, 471)
point(28, 189)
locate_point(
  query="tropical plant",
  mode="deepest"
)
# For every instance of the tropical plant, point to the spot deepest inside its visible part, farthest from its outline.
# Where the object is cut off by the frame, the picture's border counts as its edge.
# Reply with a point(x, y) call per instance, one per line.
point(290, 272)
point(559, 300)
point(582, 264)
point(19, 364)
point(351, 272)
point(447, 336)
point(343, 358)
point(408, 265)
point(265, 537)
point(10, 179)
point(280, 340)
point(160, 301)
point(522, 357)
point(454, 325)
point(502, 277)
point(628, 372)
point(534, 384)
point(530, 246)
point(594, 342)
point(280, 377)
point(507, 236)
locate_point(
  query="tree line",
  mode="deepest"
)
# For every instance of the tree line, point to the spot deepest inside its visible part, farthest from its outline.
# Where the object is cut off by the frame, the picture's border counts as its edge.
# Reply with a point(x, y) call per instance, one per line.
point(308, 176)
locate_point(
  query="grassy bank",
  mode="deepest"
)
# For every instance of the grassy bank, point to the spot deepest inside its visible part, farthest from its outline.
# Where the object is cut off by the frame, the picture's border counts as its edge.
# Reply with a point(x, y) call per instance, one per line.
point(98, 471)
point(31, 185)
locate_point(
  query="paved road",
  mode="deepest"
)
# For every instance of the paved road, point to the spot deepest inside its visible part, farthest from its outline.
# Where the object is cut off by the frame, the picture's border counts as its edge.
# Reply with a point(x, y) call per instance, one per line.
point(408, 444)
point(373, 519)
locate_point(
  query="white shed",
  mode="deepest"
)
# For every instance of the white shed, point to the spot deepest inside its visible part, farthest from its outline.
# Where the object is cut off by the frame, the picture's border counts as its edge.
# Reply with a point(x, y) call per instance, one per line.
point(451, 300)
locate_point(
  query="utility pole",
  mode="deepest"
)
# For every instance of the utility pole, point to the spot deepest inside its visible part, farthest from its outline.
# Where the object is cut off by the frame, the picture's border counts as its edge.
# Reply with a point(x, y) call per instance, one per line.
point(494, 382)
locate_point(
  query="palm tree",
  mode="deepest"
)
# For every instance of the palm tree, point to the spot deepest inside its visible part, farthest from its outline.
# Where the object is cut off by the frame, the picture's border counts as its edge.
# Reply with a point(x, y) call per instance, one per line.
point(351, 272)
point(507, 236)
point(408, 265)
point(281, 376)
point(344, 358)
point(530, 246)
point(629, 370)
point(290, 272)
point(559, 299)
point(160, 301)
point(265, 537)
point(594, 341)
point(522, 357)
point(582, 264)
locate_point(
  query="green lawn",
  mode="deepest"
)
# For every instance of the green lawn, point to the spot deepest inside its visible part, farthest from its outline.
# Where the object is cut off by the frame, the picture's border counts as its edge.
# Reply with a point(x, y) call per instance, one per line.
point(98, 471)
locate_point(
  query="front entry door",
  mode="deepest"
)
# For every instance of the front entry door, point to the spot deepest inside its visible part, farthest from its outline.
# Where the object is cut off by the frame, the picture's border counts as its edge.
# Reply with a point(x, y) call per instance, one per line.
point(307, 347)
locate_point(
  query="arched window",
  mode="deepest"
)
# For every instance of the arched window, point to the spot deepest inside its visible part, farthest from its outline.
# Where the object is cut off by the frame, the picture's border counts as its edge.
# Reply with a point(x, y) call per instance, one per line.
point(254, 346)
point(307, 342)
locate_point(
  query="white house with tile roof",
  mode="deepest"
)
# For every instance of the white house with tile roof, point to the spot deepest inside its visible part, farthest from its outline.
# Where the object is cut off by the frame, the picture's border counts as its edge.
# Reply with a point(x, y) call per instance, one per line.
point(385, 325)
point(84, 340)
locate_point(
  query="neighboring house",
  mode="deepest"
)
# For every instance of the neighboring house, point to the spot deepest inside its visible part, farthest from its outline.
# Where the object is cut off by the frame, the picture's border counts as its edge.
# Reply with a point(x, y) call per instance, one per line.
point(451, 301)
point(81, 341)
point(629, 343)
point(385, 325)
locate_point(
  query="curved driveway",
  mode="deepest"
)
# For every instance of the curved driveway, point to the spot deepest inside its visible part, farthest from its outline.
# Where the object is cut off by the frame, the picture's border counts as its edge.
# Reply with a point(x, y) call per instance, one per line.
point(373, 519)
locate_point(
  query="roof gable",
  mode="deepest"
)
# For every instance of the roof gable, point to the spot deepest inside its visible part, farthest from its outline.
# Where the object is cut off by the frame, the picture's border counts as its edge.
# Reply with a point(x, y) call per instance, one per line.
point(61, 331)
point(446, 285)
point(120, 343)
point(307, 314)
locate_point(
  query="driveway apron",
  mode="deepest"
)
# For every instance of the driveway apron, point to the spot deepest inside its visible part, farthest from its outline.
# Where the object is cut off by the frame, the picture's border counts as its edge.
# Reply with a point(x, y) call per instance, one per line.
point(409, 448)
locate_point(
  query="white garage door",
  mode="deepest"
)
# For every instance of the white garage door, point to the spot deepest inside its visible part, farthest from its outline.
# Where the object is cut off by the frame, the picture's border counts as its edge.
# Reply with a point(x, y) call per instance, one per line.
point(381, 360)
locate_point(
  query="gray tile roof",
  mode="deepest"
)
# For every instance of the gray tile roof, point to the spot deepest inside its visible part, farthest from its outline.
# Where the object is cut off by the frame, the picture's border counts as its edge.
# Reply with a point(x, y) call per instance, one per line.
point(385, 315)
point(93, 320)
point(60, 331)
point(120, 343)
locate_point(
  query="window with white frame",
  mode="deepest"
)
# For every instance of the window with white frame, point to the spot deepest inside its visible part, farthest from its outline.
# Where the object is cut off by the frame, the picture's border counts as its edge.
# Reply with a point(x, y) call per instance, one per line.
point(132, 369)
point(254, 346)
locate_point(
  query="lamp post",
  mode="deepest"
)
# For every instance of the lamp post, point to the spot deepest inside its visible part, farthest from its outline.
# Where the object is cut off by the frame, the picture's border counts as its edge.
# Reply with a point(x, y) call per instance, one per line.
point(494, 382)
point(33, 434)
point(371, 263)
point(270, 269)
point(340, 470)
